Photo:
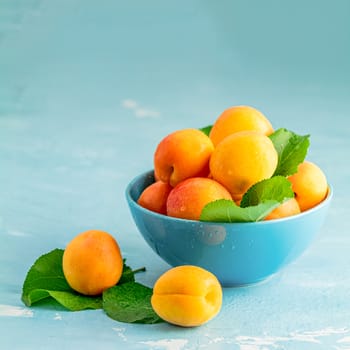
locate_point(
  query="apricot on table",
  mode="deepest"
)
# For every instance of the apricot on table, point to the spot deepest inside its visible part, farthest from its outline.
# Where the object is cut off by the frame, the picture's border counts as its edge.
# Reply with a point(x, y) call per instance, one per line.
point(182, 154)
point(154, 197)
point(187, 199)
point(92, 262)
point(187, 296)
point(241, 160)
point(239, 118)
point(309, 184)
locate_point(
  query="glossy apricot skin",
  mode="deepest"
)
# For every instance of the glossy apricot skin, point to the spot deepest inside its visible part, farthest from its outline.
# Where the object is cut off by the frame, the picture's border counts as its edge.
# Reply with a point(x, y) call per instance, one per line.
point(188, 198)
point(309, 184)
point(241, 160)
point(92, 262)
point(187, 296)
point(288, 208)
point(182, 154)
point(154, 197)
point(239, 118)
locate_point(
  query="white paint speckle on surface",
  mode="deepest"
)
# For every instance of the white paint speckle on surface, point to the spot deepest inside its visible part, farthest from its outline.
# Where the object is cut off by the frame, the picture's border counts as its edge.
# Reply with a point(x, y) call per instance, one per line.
point(15, 311)
point(18, 233)
point(258, 343)
point(344, 340)
point(121, 332)
point(139, 111)
point(166, 344)
point(57, 317)
point(129, 103)
point(268, 342)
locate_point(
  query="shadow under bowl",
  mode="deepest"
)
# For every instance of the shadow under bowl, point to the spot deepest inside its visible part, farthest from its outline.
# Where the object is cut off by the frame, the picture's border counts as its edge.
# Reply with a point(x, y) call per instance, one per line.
point(237, 253)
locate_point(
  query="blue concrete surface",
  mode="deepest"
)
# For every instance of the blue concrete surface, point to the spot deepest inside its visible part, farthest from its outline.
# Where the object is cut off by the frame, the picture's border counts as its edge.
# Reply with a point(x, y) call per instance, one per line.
point(87, 90)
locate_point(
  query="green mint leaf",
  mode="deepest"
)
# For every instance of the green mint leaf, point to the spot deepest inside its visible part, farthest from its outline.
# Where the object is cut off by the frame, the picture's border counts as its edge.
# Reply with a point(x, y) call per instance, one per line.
point(45, 279)
point(74, 301)
point(130, 303)
point(291, 149)
point(45, 274)
point(224, 210)
point(128, 274)
point(256, 204)
point(277, 188)
point(206, 129)
point(71, 300)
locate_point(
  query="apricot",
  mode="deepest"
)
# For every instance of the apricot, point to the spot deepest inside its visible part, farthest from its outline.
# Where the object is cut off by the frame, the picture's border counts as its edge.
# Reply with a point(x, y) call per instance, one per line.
point(239, 118)
point(182, 154)
point(309, 184)
point(288, 208)
point(92, 262)
point(187, 199)
point(154, 197)
point(187, 296)
point(241, 160)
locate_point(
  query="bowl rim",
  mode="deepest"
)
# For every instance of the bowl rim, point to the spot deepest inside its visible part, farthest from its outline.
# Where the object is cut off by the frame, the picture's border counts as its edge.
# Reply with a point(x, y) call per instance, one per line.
point(130, 199)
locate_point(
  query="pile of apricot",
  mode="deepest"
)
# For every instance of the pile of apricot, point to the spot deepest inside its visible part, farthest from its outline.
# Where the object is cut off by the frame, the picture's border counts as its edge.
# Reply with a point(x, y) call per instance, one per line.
point(192, 168)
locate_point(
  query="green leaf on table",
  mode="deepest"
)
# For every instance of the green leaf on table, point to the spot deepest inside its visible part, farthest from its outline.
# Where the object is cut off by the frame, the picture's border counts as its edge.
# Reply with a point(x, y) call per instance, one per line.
point(277, 188)
point(224, 210)
point(206, 129)
point(45, 274)
point(131, 303)
point(291, 149)
point(74, 301)
point(128, 275)
point(45, 279)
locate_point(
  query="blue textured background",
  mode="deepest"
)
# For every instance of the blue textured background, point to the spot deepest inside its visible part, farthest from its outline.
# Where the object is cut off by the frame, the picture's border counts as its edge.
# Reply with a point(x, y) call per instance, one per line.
point(87, 90)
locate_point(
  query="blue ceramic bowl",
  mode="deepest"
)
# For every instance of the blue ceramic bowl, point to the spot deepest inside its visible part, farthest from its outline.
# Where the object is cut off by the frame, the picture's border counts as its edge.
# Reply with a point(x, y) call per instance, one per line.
point(237, 253)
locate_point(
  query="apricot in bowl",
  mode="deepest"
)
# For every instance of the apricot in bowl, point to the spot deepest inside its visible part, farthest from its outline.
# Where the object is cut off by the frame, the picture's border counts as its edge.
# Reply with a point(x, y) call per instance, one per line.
point(236, 253)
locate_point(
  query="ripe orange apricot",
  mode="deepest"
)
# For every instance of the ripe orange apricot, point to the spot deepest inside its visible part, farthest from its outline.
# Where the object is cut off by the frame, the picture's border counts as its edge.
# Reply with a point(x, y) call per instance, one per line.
point(239, 118)
point(241, 160)
point(309, 184)
point(182, 154)
point(92, 262)
point(187, 296)
point(187, 199)
point(154, 197)
point(288, 208)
